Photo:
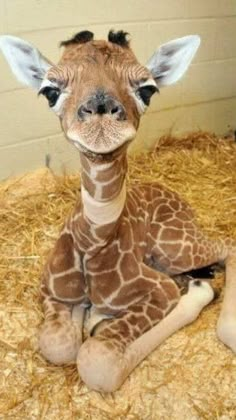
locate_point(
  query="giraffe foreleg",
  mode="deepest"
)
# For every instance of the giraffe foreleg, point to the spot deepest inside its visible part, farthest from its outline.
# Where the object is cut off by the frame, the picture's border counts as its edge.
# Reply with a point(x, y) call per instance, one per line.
point(61, 333)
point(62, 291)
point(104, 364)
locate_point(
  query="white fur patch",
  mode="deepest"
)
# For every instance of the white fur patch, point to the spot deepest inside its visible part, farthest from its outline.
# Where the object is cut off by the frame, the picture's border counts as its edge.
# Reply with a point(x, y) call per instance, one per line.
point(103, 212)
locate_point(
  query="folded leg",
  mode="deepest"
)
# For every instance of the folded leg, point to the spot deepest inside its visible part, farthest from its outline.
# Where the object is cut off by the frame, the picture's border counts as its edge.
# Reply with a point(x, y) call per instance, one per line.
point(61, 333)
point(105, 361)
point(63, 294)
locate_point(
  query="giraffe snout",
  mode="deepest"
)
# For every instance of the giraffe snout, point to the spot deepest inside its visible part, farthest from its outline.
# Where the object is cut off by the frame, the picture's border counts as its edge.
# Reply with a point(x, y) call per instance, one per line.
point(100, 104)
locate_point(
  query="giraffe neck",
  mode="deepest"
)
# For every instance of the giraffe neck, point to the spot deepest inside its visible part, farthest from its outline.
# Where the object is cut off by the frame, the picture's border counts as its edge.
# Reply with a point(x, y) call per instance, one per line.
point(103, 189)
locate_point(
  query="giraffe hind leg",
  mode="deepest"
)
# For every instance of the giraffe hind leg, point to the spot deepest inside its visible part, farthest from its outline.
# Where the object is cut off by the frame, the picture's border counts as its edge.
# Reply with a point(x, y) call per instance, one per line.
point(182, 279)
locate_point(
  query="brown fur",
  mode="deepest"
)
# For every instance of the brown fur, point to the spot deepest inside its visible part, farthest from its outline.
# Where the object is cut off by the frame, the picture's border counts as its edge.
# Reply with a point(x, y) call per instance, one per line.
point(111, 265)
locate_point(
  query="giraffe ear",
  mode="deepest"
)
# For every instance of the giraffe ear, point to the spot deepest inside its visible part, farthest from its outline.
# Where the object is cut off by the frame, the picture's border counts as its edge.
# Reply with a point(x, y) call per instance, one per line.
point(25, 61)
point(169, 63)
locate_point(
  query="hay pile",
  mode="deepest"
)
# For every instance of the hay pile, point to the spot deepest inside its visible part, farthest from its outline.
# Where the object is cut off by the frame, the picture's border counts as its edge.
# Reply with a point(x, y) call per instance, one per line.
point(191, 375)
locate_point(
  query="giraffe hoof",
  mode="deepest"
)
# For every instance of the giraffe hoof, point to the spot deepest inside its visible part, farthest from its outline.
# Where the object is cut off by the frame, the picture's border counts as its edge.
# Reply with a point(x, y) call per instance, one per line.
point(200, 294)
point(201, 291)
point(199, 283)
point(99, 366)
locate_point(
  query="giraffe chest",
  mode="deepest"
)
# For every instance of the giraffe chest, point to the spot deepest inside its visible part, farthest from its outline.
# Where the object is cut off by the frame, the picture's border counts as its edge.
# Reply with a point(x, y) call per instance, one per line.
point(113, 274)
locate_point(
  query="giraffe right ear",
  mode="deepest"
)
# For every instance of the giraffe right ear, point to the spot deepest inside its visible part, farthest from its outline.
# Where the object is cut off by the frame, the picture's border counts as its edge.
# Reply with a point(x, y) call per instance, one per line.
point(169, 63)
point(26, 62)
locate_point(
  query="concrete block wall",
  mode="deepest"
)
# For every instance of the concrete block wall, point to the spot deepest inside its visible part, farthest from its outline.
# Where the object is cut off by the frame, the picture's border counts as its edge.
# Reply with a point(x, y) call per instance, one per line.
point(204, 99)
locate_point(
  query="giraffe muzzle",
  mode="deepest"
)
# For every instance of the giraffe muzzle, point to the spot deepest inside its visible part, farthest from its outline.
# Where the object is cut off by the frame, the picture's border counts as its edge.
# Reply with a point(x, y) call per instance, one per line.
point(102, 125)
point(101, 104)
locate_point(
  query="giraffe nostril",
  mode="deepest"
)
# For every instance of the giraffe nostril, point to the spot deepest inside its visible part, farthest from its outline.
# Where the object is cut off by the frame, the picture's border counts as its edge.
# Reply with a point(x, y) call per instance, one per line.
point(84, 112)
point(87, 110)
point(118, 112)
point(100, 106)
point(115, 110)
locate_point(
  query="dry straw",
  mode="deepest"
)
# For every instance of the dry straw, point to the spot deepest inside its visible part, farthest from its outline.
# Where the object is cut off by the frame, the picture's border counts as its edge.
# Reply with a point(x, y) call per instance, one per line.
point(191, 375)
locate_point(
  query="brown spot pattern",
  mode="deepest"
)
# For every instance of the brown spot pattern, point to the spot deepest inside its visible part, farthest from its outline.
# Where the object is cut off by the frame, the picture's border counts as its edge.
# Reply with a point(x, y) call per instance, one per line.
point(155, 225)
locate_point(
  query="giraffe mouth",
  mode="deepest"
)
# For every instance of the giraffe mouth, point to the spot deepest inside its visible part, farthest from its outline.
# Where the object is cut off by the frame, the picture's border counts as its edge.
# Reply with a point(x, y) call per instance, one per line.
point(102, 157)
point(102, 136)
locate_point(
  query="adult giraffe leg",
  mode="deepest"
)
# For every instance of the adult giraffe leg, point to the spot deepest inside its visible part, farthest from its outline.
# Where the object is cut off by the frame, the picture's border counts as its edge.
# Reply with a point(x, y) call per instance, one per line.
point(226, 326)
point(105, 361)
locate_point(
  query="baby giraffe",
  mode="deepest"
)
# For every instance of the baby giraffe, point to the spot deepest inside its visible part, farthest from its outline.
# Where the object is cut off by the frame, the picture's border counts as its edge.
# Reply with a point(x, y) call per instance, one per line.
point(119, 251)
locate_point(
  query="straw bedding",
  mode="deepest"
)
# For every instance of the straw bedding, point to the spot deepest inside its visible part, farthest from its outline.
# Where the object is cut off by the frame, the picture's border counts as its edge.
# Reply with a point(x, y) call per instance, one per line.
point(192, 375)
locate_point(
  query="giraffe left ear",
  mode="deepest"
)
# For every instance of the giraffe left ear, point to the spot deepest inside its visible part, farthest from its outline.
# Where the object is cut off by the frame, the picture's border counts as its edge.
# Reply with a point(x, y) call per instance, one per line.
point(169, 63)
point(26, 62)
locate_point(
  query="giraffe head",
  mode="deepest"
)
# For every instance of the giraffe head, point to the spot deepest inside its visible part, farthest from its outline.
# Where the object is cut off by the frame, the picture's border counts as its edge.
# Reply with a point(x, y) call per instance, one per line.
point(98, 89)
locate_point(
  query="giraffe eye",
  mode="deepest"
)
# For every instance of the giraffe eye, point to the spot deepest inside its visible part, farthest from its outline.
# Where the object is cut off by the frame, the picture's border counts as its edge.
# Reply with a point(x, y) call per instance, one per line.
point(145, 93)
point(51, 93)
